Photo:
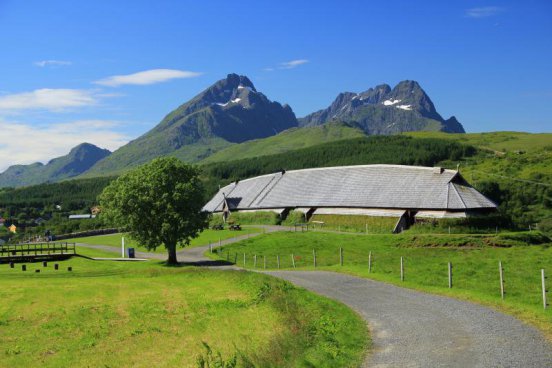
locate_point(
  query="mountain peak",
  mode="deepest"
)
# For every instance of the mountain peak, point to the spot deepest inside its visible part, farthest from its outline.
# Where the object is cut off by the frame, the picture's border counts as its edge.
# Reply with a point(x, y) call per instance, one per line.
point(77, 161)
point(382, 110)
point(234, 80)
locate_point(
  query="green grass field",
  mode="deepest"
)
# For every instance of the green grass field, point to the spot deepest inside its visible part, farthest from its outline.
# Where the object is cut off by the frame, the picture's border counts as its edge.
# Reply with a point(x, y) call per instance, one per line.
point(206, 237)
point(143, 314)
point(474, 258)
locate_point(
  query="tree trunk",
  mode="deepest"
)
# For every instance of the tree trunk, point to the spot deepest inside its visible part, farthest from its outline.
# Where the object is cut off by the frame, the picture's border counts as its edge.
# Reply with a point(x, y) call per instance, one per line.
point(172, 255)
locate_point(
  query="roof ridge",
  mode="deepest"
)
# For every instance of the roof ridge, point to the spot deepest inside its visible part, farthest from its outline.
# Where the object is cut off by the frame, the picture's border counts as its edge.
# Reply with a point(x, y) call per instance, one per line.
point(268, 191)
point(458, 194)
point(371, 165)
point(266, 186)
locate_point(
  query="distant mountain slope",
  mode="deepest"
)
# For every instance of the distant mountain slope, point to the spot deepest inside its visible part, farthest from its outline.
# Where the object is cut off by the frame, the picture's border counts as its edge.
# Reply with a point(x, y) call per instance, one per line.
point(288, 140)
point(77, 161)
point(230, 111)
point(382, 110)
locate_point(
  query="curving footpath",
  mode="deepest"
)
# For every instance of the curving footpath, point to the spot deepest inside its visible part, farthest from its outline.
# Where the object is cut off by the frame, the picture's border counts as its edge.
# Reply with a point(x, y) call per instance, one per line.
point(415, 329)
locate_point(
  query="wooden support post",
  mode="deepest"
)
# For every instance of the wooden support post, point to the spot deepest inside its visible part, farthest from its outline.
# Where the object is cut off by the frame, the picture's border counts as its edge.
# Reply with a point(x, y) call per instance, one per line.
point(293, 260)
point(544, 291)
point(501, 273)
point(264, 262)
point(235, 258)
point(278, 261)
point(314, 257)
point(366, 228)
point(369, 262)
point(402, 269)
point(210, 248)
point(341, 256)
point(450, 275)
point(244, 260)
point(220, 242)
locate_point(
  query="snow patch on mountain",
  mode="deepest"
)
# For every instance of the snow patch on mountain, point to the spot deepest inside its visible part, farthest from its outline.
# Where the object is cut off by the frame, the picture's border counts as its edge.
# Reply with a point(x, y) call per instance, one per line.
point(390, 102)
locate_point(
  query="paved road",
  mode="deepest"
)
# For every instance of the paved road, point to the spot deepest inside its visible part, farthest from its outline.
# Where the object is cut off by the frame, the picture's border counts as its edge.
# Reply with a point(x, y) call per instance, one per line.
point(415, 329)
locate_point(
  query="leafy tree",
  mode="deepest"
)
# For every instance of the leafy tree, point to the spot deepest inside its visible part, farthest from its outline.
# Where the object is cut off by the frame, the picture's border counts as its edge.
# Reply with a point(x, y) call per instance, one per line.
point(158, 203)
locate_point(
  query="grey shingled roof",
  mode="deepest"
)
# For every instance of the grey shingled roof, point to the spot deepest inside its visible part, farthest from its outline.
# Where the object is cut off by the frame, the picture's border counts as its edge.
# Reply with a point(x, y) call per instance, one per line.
point(367, 186)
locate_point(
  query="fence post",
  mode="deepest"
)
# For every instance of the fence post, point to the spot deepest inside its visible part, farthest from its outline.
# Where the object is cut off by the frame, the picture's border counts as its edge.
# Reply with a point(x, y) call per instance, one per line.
point(244, 260)
point(366, 228)
point(264, 262)
point(402, 269)
point(220, 242)
point(544, 291)
point(341, 256)
point(314, 257)
point(450, 275)
point(501, 273)
point(369, 262)
point(278, 260)
point(255, 261)
point(293, 260)
point(210, 248)
point(227, 256)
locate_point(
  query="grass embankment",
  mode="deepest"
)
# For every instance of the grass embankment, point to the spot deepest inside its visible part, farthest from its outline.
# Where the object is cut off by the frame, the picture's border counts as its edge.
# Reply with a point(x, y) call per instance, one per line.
point(355, 223)
point(143, 314)
point(204, 238)
point(474, 257)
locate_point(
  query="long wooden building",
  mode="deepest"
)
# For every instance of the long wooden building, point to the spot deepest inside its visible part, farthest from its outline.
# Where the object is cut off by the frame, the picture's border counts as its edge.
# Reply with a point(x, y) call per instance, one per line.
point(407, 192)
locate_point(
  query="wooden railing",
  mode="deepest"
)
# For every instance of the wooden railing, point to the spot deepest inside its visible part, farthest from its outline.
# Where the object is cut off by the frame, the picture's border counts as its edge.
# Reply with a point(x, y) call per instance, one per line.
point(37, 249)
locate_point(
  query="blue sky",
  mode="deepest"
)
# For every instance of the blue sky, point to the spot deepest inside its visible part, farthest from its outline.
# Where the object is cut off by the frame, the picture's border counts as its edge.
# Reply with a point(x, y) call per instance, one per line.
point(69, 69)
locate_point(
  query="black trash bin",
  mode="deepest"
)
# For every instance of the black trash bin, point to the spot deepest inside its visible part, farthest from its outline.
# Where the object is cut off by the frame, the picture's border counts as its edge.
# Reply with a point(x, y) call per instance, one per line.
point(131, 253)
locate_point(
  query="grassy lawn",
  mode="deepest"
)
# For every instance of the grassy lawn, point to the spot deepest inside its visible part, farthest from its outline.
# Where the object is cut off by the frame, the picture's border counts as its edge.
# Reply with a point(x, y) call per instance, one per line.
point(474, 258)
point(143, 314)
point(206, 237)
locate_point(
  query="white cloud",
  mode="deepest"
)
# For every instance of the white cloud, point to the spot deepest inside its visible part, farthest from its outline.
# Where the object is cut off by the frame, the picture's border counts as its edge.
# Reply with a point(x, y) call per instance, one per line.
point(293, 63)
point(22, 143)
point(147, 77)
point(47, 99)
point(483, 12)
point(43, 63)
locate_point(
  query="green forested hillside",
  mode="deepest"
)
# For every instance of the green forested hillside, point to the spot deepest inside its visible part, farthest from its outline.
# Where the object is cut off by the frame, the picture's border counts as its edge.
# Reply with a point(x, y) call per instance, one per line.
point(511, 168)
point(496, 141)
point(367, 150)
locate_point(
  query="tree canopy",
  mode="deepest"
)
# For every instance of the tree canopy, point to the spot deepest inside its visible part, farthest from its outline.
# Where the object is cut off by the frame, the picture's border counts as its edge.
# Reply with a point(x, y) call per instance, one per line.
point(159, 203)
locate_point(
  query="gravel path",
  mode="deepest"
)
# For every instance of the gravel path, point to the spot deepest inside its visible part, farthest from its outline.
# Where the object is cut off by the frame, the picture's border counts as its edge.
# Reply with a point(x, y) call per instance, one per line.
point(414, 329)
point(411, 328)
